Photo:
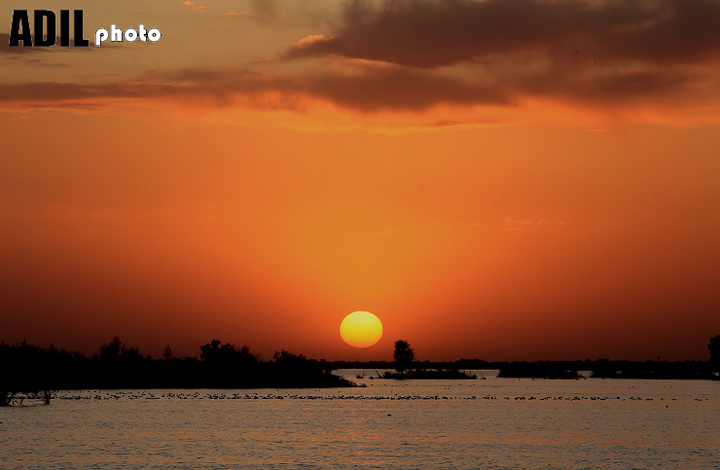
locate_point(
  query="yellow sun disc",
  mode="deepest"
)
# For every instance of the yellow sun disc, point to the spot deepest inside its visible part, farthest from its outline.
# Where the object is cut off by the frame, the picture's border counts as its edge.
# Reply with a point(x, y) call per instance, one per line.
point(361, 329)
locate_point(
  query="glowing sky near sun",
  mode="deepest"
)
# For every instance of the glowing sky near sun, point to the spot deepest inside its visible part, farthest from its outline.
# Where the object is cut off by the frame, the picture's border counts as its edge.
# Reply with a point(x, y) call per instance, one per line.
point(495, 179)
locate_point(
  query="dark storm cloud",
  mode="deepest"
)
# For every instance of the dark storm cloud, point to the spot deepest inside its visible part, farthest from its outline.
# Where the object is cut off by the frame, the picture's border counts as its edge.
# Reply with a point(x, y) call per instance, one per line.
point(424, 33)
point(602, 52)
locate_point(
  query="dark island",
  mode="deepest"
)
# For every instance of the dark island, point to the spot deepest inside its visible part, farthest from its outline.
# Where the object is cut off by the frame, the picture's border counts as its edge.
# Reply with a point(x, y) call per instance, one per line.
point(32, 372)
point(406, 367)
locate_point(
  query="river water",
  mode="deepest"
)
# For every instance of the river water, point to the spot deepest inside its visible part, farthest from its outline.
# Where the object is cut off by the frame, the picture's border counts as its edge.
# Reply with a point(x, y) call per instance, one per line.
point(489, 423)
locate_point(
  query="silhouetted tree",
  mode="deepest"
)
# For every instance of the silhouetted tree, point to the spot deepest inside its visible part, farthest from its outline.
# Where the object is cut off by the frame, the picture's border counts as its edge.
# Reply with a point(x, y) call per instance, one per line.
point(132, 354)
point(714, 348)
point(28, 372)
point(117, 351)
point(45, 395)
point(111, 351)
point(168, 354)
point(403, 356)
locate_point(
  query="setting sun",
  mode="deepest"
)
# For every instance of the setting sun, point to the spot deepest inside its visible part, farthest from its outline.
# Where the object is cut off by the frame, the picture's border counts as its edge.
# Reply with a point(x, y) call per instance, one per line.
point(361, 329)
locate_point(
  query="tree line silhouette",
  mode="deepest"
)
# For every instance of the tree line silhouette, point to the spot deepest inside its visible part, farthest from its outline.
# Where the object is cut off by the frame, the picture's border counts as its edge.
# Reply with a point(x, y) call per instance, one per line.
point(28, 371)
point(406, 367)
point(35, 372)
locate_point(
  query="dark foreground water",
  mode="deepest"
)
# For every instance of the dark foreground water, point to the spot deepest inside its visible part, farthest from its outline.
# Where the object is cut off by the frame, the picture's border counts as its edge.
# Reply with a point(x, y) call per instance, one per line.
point(482, 424)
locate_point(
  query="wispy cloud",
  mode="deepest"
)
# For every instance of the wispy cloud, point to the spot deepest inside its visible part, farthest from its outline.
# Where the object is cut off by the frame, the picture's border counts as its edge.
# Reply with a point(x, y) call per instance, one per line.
point(25, 50)
point(373, 90)
point(264, 11)
point(195, 6)
point(368, 89)
point(523, 224)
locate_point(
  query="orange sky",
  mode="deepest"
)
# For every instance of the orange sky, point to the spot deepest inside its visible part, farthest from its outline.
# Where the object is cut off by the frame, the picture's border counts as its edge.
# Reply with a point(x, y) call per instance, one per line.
point(497, 179)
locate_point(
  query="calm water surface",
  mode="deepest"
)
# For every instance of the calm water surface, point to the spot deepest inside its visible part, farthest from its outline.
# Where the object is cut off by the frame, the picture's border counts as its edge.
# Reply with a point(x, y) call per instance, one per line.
point(482, 424)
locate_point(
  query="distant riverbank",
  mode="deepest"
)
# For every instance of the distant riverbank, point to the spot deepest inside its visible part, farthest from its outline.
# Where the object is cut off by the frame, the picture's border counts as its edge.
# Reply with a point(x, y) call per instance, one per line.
point(29, 370)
